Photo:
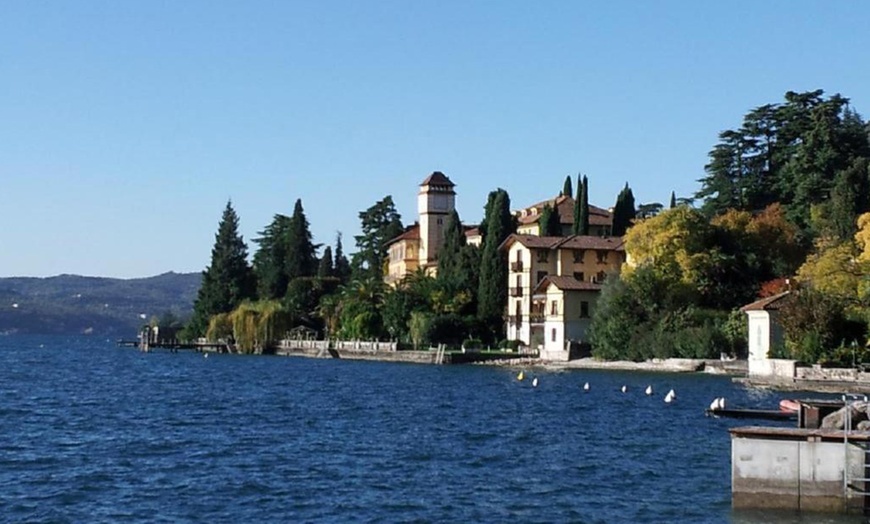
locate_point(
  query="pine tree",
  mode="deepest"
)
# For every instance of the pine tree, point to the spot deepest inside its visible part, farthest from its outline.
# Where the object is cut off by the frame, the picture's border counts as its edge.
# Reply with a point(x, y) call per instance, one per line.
point(325, 268)
point(301, 252)
point(567, 189)
point(623, 212)
point(380, 224)
point(583, 204)
point(228, 280)
point(492, 292)
point(270, 259)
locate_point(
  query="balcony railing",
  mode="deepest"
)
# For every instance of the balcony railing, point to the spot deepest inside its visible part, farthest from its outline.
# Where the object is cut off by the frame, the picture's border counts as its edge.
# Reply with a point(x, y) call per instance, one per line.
point(515, 319)
point(536, 318)
point(516, 291)
point(517, 266)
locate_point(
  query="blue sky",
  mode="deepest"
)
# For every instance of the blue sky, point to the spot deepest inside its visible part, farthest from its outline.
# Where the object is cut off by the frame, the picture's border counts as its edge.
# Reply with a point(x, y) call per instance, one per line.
point(126, 126)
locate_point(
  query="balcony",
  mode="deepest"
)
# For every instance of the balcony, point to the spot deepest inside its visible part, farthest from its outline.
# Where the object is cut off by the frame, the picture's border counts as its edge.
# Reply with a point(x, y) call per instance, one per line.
point(536, 318)
point(515, 319)
point(516, 291)
point(516, 266)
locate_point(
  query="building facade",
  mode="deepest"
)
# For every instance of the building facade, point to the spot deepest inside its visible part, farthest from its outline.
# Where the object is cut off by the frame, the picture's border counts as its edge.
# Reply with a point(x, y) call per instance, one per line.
point(418, 246)
point(566, 270)
point(600, 220)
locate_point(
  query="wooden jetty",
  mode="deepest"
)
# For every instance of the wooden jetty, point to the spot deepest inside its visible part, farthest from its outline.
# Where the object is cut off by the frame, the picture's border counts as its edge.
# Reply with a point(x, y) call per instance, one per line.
point(765, 414)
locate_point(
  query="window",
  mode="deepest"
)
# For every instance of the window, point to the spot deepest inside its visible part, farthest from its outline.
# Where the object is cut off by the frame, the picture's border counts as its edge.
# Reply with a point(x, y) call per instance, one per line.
point(439, 221)
point(578, 275)
point(541, 276)
point(578, 256)
point(553, 334)
point(554, 307)
point(602, 257)
point(601, 277)
point(543, 256)
point(584, 309)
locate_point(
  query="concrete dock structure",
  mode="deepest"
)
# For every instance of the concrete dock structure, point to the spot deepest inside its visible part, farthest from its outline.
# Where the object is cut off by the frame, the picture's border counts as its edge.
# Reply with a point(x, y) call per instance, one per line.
point(799, 469)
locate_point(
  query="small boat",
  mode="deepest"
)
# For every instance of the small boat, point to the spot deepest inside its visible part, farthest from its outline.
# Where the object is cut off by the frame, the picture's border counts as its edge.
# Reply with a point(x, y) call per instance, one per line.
point(789, 405)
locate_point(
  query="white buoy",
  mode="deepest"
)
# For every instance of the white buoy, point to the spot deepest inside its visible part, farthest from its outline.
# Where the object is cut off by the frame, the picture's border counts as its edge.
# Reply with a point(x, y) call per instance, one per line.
point(586, 386)
point(535, 382)
point(648, 390)
point(624, 389)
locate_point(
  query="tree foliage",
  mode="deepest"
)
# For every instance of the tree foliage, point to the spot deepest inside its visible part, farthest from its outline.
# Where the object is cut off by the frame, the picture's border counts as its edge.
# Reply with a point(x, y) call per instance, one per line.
point(549, 223)
point(792, 153)
point(379, 224)
point(270, 259)
point(301, 260)
point(581, 208)
point(492, 290)
point(228, 280)
point(567, 187)
point(624, 211)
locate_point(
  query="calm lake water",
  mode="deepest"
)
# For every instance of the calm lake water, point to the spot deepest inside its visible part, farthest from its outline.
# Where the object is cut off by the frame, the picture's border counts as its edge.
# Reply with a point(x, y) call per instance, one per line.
point(94, 433)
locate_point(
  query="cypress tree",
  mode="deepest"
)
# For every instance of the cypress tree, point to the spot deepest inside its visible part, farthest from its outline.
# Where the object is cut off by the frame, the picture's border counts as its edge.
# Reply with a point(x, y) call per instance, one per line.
point(623, 212)
point(228, 280)
point(325, 268)
point(673, 200)
point(567, 189)
point(449, 257)
point(341, 266)
point(583, 228)
point(492, 292)
point(301, 257)
point(575, 229)
point(549, 224)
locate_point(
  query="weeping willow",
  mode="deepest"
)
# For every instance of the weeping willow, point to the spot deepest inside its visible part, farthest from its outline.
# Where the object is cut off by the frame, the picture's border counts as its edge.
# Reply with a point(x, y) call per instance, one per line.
point(219, 327)
point(257, 326)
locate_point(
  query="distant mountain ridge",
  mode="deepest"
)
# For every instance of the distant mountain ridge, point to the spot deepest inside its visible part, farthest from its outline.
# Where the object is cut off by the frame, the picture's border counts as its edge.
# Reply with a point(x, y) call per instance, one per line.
point(73, 304)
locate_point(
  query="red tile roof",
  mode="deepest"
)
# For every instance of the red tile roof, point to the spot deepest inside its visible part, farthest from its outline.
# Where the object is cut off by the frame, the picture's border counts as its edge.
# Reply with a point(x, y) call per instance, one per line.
point(565, 206)
point(437, 178)
point(410, 233)
point(771, 303)
point(567, 283)
point(569, 242)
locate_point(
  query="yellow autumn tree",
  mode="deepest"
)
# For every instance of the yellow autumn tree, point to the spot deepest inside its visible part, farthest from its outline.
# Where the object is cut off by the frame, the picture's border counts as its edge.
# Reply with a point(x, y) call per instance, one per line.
point(673, 243)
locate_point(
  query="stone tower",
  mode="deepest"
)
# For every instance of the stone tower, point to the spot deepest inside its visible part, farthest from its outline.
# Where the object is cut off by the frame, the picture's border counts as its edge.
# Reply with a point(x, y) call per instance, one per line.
point(435, 201)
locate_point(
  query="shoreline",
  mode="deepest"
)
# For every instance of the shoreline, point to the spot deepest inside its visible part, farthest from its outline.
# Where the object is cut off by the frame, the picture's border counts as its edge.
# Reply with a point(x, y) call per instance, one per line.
point(671, 365)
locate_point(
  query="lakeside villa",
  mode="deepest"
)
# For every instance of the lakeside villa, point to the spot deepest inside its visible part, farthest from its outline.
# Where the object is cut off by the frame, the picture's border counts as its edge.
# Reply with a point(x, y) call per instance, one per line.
point(553, 282)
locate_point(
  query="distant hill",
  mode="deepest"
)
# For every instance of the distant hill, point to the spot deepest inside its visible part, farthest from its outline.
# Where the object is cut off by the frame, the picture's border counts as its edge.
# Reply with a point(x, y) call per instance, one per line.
point(71, 304)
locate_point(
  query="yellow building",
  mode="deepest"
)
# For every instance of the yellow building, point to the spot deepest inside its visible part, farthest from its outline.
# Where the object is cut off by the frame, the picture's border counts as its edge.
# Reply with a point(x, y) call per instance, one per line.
point(565, 271)
point(600, 220)
point(418, 246)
